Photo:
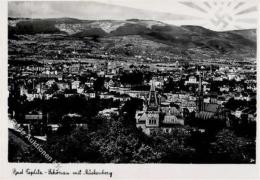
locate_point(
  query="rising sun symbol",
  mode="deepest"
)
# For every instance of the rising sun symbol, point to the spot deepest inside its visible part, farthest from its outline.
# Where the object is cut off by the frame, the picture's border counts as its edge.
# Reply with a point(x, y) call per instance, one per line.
point(225, 14)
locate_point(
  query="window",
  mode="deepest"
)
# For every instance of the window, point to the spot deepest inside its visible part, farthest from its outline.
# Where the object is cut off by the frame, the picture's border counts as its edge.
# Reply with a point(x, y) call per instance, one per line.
point(152, 121)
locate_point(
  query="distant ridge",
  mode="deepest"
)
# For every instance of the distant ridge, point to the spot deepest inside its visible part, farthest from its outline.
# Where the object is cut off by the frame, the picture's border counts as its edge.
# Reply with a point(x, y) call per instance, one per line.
point(183, 37)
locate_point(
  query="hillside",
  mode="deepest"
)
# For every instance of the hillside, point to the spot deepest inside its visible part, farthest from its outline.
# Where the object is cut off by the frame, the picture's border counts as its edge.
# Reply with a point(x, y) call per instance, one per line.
point(187, 41)
point(248, 34)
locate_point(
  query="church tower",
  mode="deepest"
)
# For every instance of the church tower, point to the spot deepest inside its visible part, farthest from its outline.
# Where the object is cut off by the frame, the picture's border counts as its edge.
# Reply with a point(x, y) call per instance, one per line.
point(153, 99)
point(200, 93)
point(152, 108)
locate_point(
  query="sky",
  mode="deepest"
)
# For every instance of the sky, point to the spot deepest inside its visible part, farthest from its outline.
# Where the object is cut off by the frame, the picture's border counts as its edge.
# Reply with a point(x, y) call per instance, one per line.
point(219, 15)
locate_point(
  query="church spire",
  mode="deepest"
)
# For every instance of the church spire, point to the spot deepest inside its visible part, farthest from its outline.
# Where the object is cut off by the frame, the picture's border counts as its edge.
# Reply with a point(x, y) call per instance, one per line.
point(152, 100)
point(200, 89)
point(200, 84)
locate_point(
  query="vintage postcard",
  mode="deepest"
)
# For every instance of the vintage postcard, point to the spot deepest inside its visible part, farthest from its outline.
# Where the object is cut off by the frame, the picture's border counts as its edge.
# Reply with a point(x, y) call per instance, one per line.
point(129, 89)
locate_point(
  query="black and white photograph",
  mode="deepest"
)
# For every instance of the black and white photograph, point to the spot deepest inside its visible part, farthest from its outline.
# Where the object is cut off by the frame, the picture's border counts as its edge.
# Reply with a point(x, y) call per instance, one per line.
point(132, 82)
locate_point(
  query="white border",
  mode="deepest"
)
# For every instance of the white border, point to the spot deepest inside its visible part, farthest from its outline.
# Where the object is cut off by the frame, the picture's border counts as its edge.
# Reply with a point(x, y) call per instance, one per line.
point(120, 171)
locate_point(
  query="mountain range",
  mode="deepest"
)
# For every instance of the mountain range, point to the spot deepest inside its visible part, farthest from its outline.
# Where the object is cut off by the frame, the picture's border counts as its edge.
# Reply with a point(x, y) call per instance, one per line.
point(191, 40)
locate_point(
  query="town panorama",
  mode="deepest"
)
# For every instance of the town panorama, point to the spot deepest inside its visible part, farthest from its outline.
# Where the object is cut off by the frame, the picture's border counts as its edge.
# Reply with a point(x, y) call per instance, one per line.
point(132, 91)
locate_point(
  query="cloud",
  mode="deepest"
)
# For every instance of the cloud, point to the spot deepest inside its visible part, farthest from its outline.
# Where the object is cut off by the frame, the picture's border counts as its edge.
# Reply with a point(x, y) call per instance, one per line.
point(85, 10)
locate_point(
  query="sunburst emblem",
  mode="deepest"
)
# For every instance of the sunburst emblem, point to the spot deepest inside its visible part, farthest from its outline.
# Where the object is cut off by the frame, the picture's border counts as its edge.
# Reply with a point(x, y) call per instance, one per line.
point(225, 14)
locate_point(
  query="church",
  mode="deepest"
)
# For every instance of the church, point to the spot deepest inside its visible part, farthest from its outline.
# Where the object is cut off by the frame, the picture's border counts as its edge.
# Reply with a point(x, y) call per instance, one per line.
point(158, 116)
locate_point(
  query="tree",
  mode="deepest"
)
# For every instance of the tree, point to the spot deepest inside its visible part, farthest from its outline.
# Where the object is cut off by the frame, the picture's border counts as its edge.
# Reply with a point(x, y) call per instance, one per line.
point(99, 84)
point(118, 145)
point(146, 154)
point(129, 110)
point(173, 146)
point(134, 78)
point(74, 147)
point(228, 148)
point(67, 125)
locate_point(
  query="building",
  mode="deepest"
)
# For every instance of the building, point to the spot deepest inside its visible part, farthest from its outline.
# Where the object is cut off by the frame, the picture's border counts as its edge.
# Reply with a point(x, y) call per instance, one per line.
point(156, 116)
point(206, 110)
point(192, 80)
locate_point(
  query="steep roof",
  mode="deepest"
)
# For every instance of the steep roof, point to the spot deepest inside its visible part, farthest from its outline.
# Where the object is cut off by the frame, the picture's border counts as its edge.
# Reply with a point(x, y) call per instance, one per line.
point(143, 117)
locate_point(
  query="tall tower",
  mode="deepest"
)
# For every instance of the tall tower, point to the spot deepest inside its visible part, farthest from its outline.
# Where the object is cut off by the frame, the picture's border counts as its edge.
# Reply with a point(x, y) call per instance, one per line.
point(152, 100)
point(200, 93)
point(152, 108)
